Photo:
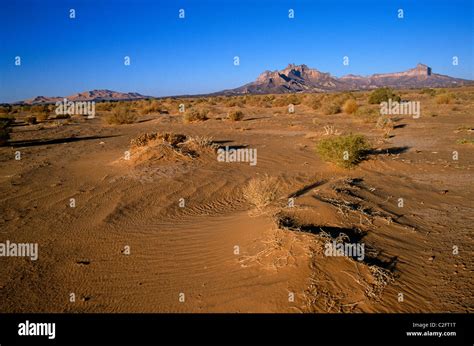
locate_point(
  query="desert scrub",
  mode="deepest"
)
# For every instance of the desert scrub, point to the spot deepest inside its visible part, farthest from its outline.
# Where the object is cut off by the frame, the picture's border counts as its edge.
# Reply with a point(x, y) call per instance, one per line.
point(465, 141)
point(4, 130)
point(444, 99)
point(235, 115)
point(261, 192)
point(350, 106)
point(383, 95)
point(344, 151)
point(194, 115)
point(331, 107)
point(122, 114)
point(30, 119)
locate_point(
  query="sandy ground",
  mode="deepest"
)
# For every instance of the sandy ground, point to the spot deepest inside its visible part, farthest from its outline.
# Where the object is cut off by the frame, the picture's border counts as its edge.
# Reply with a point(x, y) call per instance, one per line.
point(217, 253)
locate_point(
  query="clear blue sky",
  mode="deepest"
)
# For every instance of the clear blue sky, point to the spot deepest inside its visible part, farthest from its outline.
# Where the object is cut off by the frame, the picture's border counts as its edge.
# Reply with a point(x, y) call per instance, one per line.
point(169, 56)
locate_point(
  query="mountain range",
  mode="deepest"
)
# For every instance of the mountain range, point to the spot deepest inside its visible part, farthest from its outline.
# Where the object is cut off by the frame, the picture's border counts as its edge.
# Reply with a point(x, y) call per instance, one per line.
point(93, 95)
point(295, 79)
point(301, 78)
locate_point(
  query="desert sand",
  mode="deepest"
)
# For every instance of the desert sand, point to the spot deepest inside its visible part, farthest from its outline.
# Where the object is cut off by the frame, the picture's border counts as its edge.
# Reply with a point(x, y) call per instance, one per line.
point(129, 244)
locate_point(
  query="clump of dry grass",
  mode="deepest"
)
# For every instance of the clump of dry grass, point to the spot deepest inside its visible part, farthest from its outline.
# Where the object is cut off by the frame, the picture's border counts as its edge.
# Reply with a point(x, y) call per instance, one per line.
point(195, 115)
point(331, 107)
point(173, 139)
point(122, 114)
point(4, 130)
point(385, 123)
point(261, 192)
point(445, 98)
point(30, 119)
point(350, 106)
point(235, 115)
point(465, 141)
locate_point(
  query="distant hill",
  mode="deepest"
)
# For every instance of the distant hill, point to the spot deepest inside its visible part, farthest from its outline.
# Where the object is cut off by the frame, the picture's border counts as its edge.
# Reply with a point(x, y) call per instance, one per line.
point(301, 78)
point(94, 95)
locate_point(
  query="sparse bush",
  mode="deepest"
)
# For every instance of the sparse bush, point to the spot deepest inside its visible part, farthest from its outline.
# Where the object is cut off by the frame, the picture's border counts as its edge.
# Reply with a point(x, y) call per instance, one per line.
point(350, 106)
point(62, 116)
point(444, 99)
point(154, 106)
point(194, 115)
point(235, 115)
point(4, 130)
point(104, 106)
point(122, 114)
point(428, 91)
point(368, 114)
point(465, 141)
point(30, 119)
point(262, 191)
point(384, 122)
point(344, 151)
point(383, 95)
point(331, 107)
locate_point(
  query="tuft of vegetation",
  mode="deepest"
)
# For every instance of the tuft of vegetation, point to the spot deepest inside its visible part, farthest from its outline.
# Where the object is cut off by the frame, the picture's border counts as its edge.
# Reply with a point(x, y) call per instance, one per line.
point(235, 115)
point(428, 91)
point(195, 115)
point(331, 107)
point(344, 151)
point(444, 99)
point(4, 130)
point(122, 114)
point(261, 192)
point(350, 106)
point(30, 119)
point(465, 141)
point(383, 95)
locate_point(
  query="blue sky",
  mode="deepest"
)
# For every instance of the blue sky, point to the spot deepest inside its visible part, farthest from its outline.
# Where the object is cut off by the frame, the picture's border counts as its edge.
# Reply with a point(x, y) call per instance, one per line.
point(171, 56)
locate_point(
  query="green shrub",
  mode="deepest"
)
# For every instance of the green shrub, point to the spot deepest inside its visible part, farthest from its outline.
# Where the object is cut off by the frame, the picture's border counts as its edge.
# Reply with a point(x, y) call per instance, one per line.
point(383, 95)
point(344, 151)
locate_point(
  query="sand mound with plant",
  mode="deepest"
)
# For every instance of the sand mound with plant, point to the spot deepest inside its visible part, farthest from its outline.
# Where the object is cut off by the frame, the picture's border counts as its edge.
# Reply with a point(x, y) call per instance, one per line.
point(166, 147)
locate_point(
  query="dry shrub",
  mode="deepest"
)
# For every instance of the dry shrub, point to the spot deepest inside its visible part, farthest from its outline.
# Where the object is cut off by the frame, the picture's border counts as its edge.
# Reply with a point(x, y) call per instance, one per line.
point(261, 192)
point(30, 119)
point(383, 95)
point(122, 114)
point(104, 106)
point(170, 138)
point(4, 130)
point(445, 99)
point(368, 114)
point(384, 122)
point(153, 106)
point(195, 115)
point(153, 146)
point(344, 151)
point(331, 107)
point(235, 115)
point(350, 106)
